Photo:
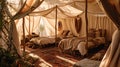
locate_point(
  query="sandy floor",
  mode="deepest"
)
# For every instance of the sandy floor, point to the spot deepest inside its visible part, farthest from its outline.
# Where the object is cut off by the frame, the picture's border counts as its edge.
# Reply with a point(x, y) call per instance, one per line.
point(52, 57)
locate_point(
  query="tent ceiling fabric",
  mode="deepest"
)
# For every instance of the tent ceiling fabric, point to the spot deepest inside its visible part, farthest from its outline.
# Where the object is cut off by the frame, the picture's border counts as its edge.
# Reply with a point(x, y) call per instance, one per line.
point(27, 7)
point(70, 8)
point(93, 7)
point(62, 12)
point(14, 6)
point(114, 12)
point(65, 8)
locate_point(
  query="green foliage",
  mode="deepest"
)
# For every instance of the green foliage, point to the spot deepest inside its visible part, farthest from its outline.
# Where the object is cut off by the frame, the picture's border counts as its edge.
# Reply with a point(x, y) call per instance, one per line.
point(24, 63)
point(8, 59)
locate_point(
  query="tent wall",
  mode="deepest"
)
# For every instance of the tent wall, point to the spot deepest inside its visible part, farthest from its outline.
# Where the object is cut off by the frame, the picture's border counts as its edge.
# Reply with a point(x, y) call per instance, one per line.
point(37, 24)
point(98, 22)
point(69, 24)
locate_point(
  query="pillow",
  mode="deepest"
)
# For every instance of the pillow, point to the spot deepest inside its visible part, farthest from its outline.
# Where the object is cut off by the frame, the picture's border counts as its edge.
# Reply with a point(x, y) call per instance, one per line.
point(99, 40)
point(100, 33)
point(91, 32)
point(103, 33)
point(70, 34)
point(65, 32)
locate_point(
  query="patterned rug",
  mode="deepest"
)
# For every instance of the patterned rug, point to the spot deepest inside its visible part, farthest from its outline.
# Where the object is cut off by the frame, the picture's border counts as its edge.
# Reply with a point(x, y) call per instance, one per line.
point(52, 57)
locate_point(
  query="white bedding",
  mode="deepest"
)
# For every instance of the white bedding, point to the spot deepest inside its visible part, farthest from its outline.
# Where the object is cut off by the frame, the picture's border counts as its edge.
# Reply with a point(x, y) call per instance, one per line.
point(79, 44)
point(42, 40)
point(69, 44)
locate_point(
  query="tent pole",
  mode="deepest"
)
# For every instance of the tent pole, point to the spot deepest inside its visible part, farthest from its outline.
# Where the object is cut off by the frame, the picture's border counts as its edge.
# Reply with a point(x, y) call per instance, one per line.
point(56, 27)
point(29, 25)
point(86, 18)
point(23, 26)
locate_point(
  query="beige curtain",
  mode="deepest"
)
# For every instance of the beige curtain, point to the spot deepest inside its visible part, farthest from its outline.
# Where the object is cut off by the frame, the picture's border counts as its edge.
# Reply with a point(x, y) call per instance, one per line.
point(69, 24)
point(112, 56)
point(98, 21)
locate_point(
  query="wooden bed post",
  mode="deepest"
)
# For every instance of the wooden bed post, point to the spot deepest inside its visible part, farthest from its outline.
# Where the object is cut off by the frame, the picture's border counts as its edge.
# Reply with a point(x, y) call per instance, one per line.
point(23, 26)
point(86, 18)
point(56, 27)
point(29, 24)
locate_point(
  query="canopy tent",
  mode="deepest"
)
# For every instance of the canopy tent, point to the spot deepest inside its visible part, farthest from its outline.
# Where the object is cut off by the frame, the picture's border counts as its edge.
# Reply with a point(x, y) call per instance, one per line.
point(62, 12)
point(59, 9)
point(66, 12)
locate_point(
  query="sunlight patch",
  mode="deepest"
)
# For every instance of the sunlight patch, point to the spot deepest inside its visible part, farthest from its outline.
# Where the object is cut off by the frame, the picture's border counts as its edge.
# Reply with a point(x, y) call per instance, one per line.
point(43, 62)
point(66, 60)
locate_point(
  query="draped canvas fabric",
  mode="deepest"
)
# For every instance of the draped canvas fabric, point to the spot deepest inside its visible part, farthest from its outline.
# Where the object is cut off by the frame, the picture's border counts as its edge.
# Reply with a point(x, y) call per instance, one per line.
point(62, 12)
point(98, 22)
point(14, 6)
point(21, 13)
point(78, 23)
point(31, 24)
point(69, 24)
point(48, 10)
point(37, 24)
point(112, 56)
point(78, 4)
point(27, 8)
point(66, 10)
point(93, 7)
point(48, 7)
point(72, 27)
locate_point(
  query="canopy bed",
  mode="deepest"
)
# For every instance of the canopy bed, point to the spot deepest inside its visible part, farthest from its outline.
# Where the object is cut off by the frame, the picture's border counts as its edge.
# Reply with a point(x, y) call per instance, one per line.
point(95, 39)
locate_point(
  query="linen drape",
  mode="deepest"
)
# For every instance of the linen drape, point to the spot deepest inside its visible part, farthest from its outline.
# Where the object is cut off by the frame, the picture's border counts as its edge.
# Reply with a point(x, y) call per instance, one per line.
point(25, 9)
point(112, 56)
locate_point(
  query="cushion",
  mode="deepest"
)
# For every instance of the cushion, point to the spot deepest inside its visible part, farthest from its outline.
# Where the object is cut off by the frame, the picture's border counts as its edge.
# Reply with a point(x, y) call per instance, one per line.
point(70, 34)
point(100, 33)
point(91, 32)
point(99, 40)
point(65, 32)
